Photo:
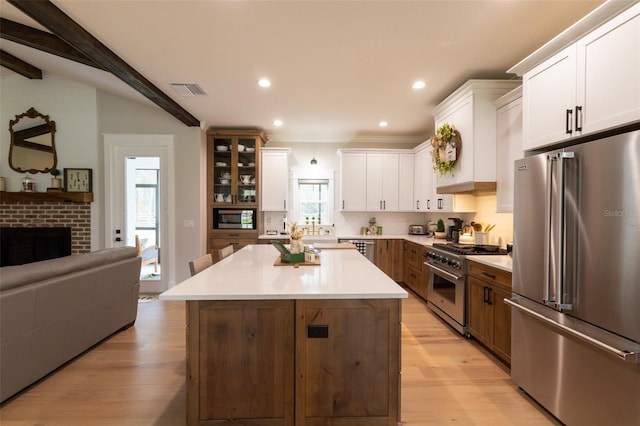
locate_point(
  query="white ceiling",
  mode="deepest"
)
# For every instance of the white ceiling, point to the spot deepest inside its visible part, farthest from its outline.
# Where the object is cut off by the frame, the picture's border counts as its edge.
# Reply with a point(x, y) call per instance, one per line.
point(337, 67)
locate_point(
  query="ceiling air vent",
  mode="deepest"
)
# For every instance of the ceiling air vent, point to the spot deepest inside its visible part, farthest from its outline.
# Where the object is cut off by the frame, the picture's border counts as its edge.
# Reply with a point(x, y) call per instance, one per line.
point(188, 89)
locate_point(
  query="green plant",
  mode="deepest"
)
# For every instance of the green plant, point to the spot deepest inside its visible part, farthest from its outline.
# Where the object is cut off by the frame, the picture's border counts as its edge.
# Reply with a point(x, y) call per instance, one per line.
point(54, 172)
point(440, 226)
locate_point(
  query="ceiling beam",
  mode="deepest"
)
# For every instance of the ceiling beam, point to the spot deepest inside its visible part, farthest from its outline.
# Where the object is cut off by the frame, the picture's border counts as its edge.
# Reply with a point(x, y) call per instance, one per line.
point(42, 40)
point(48, 15)
point(23, 68)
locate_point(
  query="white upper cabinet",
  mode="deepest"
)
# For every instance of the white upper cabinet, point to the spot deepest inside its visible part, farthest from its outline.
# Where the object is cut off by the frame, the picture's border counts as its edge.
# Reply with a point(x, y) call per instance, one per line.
point(509, 146)
point(382, 182)
point(471, 111)
point(353, 181)
point(550, 95)
point(376, 180)
point(423, 179)
point(608, 79)
point(275, 179)
point(405, 182)
point(591, 85)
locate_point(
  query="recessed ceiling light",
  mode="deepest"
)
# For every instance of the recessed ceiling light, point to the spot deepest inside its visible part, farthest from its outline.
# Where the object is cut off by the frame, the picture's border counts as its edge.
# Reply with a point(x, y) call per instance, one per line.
point(383, 124)
point(418, 85)
point(277, 123)
point(264, 82)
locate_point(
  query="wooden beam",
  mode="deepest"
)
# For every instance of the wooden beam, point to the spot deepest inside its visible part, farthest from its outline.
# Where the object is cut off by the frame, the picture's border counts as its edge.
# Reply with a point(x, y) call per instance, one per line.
point(43, 41)
point(23, 68)
point(48, 15)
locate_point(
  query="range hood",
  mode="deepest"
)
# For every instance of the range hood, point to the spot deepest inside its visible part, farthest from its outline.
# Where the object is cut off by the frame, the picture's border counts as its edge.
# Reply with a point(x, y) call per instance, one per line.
point(467, 188)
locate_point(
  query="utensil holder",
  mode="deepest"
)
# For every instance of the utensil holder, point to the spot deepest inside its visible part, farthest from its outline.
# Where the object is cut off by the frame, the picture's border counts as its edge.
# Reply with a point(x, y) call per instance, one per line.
point(481, 237)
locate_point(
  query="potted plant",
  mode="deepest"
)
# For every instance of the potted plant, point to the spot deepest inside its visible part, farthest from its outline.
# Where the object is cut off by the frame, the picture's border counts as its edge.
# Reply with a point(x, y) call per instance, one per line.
point(440, 233)
point(56, 182)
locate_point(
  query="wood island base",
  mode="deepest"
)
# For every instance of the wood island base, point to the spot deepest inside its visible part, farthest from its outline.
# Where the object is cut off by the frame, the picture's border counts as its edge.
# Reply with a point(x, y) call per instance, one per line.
point(293, 362)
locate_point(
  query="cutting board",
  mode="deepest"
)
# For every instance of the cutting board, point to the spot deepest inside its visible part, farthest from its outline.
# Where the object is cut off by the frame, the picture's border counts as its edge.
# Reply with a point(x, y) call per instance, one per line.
point(279, 262)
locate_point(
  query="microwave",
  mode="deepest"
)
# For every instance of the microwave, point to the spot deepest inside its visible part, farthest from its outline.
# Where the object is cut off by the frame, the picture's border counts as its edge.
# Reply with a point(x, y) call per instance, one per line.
point(234, 219)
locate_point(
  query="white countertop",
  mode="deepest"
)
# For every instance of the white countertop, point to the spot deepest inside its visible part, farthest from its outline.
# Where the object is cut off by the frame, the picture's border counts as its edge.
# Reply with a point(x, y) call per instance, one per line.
point(418, 239)
point(503, 262)
point(249, 274)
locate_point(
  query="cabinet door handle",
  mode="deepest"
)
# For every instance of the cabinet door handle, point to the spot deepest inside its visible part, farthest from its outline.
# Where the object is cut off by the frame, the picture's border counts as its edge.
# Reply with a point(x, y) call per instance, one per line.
point(342, 204)
point(489, 291)
point(384, 204)
point(380, 205)
point(493, 277)
point(578, 118)
point(568, 120)
point(284, 203)
point(417, 204)
point(429, 204)
point(440, 204)
point(484, 294)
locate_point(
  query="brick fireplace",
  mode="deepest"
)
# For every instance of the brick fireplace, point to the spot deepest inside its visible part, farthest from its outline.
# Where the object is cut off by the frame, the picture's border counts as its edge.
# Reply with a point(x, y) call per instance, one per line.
point(49, 214)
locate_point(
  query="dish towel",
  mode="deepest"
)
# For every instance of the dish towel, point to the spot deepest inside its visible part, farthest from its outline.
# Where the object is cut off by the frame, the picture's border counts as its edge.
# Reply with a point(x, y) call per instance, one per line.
point(361, 246)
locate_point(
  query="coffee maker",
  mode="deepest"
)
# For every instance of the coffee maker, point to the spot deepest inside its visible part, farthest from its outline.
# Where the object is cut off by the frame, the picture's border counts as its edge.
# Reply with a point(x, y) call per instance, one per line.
point(453, 231)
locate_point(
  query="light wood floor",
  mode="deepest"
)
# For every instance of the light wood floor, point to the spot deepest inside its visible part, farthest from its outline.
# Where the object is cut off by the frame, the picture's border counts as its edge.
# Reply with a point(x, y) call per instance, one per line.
point(137, 378)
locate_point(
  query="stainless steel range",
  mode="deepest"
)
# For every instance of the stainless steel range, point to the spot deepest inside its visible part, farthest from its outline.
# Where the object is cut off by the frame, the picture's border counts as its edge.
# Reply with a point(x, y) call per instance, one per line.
point(446, 286)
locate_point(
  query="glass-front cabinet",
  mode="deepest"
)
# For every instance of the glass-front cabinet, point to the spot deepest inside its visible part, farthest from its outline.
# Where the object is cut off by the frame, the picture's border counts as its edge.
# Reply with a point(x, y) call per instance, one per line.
point(233, 167)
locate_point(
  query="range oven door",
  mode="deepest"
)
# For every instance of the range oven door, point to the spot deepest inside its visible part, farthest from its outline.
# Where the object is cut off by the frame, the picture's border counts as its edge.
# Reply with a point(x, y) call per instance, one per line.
point(446, 296)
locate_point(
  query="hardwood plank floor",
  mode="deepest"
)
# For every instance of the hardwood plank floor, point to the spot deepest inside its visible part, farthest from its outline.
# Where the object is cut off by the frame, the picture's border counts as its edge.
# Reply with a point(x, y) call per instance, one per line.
point(137, 377)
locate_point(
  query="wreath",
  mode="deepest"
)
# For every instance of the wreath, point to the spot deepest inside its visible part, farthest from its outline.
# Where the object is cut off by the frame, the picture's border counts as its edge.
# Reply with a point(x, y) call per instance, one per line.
point(446, 145)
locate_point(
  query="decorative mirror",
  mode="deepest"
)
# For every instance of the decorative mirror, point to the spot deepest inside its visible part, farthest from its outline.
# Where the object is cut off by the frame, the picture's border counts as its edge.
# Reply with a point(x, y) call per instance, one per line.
point(32, 147)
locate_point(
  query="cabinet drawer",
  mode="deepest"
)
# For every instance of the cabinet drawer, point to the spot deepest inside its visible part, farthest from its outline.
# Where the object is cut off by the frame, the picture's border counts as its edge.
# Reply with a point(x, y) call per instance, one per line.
point(487, 273)
point(237, 234)
point(414, 254)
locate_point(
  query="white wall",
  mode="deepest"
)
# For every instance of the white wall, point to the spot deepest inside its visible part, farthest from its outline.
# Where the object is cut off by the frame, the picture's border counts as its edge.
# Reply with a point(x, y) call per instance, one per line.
point(122, 116)
point(82, 115)
point(73, 108)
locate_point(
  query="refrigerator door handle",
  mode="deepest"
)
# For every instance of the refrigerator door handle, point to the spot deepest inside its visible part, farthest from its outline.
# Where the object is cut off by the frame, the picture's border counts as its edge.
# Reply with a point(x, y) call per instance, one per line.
point(560, 280)
point(546, 294)
point(629, 356)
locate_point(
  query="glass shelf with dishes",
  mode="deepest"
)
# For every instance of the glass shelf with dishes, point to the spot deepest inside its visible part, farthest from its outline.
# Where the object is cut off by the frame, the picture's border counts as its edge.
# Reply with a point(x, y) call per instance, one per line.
point(233, 167)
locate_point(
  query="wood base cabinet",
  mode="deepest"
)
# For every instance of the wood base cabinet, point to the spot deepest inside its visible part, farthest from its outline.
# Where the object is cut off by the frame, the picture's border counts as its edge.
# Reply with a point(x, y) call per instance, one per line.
point(489, 317)
point(414, 270)
point(286, 362)
point(388, 257)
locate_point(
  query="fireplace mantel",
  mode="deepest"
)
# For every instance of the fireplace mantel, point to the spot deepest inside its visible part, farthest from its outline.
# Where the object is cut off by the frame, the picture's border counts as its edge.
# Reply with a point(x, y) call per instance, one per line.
point(44, 197)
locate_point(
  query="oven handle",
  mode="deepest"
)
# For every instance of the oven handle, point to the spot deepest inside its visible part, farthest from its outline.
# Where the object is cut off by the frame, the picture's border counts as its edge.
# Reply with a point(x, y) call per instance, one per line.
point(445, 273)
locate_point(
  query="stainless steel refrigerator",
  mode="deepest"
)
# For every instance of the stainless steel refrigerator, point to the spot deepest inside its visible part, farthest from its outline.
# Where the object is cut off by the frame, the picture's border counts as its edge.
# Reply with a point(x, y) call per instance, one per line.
point(576, 281)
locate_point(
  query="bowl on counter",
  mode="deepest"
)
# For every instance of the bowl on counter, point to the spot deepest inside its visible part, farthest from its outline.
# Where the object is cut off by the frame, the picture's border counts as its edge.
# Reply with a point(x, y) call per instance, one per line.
point(440, 235)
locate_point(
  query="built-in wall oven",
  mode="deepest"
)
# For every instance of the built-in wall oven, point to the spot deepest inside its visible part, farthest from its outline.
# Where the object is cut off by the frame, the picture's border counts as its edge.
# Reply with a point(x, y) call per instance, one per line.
point(446, 285)
point(234, 218)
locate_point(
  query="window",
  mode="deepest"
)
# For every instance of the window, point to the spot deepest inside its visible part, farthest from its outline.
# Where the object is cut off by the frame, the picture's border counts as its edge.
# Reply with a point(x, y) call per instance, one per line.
point(314, 200)
point(312, 197)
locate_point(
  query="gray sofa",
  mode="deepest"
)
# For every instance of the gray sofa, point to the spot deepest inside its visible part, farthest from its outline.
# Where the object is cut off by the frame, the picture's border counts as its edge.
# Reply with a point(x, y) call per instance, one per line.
point(54, 310)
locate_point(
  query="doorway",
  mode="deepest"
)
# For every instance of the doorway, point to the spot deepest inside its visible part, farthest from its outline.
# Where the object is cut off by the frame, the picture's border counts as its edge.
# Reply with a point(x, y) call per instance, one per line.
point(142, 218)
point(139, 205)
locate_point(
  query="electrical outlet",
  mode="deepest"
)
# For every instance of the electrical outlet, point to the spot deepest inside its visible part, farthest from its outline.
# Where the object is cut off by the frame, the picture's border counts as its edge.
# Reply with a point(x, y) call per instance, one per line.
point(188, 223)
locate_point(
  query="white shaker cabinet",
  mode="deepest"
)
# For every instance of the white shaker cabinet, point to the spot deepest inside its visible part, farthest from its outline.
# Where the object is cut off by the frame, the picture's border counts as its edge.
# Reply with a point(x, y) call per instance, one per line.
point(423, 178)
point(471, 111)
point(550, 94)
point(405, 182)
point(509, 146)
point(275, 179)
point(353, 181)
point(382, 182)
point(591, 85)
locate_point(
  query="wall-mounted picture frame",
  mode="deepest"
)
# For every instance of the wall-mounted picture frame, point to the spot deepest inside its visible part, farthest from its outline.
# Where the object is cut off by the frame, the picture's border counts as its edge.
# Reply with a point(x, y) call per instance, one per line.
point(78, 180)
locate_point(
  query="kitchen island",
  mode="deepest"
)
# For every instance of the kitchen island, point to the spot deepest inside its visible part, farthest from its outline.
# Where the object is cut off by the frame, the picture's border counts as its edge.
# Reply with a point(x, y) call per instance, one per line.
point(285, 345)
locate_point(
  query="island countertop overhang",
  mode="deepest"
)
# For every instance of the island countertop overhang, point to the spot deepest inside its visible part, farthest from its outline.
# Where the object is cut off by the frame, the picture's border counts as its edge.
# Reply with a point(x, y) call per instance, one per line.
point(250, 274)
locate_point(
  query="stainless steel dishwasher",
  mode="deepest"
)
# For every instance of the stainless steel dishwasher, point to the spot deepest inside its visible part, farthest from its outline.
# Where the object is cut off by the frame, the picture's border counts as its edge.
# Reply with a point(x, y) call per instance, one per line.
point(366, 247)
